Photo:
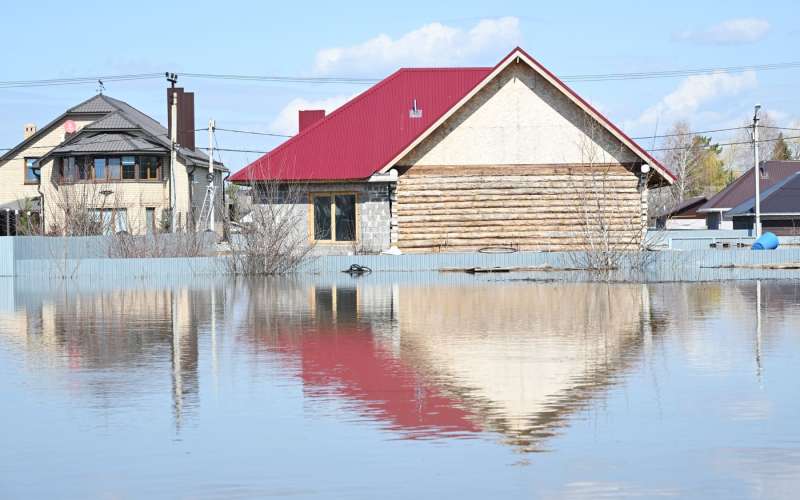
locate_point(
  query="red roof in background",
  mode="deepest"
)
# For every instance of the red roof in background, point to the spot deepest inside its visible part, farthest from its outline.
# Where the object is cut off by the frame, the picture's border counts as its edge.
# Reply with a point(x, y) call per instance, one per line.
point(361, 136)
point(366, 133)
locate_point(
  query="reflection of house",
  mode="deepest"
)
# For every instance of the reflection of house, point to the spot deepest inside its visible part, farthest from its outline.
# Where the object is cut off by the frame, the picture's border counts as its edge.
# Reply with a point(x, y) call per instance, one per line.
point(717, 209)
point(520, 368)
point(110, 159)
point(463, 359)
point(110, 331)
point(780, 209)
point(458, 159)
point(683, 216)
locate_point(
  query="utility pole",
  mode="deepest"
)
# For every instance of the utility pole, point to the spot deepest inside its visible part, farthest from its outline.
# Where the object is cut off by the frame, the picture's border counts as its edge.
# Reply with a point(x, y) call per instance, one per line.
point(211, 188)
point(173, 160)
point(757, 170)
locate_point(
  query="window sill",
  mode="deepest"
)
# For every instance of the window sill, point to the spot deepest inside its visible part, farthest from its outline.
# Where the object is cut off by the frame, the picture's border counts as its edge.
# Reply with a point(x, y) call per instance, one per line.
point(113, 181)
point(334, 243)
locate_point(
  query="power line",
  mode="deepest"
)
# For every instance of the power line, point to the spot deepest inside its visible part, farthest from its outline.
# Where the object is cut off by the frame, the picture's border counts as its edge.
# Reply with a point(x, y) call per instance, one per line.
point(368, 81)
point(252, 132)
point(721, 144)
point(77, 80)
point(679, 73)
point(697, 132)
point(779, 128)
point(237, 150)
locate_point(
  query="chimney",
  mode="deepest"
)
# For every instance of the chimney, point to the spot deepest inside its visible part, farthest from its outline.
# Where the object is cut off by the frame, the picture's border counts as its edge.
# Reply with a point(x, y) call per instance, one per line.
point(185, 116)
point(30, 129)
point(310, 117)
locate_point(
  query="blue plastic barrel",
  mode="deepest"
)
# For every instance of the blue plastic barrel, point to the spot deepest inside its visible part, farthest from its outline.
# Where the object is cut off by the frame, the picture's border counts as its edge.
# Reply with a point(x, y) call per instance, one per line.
point(767, 241)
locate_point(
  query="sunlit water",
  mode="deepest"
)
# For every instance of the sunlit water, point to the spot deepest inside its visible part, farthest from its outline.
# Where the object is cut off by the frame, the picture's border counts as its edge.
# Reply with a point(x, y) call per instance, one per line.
point(392, 387)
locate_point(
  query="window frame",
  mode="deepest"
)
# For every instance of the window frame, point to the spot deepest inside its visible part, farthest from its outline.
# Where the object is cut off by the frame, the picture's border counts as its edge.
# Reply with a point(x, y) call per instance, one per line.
point(97, 214)
point(38, 179)
point(333, 195)
point(88, 162)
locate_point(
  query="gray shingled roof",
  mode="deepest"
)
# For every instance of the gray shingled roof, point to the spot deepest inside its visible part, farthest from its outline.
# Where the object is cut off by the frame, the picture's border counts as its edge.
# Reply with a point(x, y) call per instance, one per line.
point(121, 116)
point(112, 121)
point(782, 198)
point(96, 104)
point(110, 143)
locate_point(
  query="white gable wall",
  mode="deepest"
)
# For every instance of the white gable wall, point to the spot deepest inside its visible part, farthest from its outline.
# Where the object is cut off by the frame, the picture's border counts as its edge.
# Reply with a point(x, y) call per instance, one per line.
point(519, 118)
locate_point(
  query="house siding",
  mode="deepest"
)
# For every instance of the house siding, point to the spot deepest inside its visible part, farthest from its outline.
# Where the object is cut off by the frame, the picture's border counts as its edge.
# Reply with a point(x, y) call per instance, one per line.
point(527, 207)
point(519, 165)
point(13, 188)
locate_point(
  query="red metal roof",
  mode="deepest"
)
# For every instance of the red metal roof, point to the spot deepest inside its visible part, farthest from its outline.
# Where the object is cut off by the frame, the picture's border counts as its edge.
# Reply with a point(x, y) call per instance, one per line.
point(358, 139)
point(365, 134)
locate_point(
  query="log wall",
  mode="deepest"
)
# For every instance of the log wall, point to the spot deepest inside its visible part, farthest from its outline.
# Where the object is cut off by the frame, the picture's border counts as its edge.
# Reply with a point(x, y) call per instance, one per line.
point(530, 207)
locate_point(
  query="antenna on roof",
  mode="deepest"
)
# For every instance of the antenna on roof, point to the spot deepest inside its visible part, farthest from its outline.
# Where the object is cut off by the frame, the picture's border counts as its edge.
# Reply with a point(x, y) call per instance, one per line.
point(100, 87)
point(414, 112)
point(172, 78)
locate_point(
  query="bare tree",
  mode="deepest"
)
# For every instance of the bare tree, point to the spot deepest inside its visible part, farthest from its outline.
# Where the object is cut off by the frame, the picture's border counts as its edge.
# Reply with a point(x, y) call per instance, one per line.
point(740, 155)
point(610, 228)
point(272, 239)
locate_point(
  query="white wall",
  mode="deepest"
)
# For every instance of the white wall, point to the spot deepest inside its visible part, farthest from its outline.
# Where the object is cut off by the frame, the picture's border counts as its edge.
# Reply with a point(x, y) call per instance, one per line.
point(519, 118)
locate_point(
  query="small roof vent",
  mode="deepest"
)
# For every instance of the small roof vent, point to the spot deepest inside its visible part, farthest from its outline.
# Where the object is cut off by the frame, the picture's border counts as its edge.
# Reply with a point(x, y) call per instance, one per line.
point(414, 112)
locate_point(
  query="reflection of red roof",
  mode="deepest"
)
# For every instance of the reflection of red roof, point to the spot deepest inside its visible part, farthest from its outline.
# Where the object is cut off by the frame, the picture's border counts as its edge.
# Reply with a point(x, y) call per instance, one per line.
point(349, 363)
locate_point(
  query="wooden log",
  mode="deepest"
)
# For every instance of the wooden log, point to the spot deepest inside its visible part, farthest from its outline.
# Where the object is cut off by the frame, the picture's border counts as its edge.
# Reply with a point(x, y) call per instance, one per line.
point(426, 197)
point(552, 181)
point(550, 169)
point(541, 210)
point(505, 185)
point(481, 216)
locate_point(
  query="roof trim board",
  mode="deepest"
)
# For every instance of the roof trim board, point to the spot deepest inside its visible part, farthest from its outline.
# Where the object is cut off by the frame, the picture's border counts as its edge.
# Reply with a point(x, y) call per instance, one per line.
point(516, 55)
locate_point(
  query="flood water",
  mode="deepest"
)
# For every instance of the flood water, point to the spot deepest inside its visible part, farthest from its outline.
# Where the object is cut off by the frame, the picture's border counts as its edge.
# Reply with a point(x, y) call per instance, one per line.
point(399, 387)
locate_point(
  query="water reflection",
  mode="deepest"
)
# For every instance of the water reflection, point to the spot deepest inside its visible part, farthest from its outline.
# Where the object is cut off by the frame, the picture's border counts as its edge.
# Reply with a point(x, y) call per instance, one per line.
point(525, 367)
point(425, 361)
point(119, 338)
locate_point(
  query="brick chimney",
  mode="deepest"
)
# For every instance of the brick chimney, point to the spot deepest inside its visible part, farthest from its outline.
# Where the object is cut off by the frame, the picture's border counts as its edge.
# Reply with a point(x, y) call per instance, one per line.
point(185, 116)
point(29, 130)
point(310, 117)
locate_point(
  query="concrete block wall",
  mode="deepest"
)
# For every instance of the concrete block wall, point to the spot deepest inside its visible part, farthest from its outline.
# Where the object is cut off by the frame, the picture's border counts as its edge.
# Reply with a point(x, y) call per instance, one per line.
point(374, 214)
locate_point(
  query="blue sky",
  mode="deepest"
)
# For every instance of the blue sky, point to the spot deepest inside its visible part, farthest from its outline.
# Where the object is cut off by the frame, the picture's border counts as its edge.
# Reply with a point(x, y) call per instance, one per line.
point(65, 39)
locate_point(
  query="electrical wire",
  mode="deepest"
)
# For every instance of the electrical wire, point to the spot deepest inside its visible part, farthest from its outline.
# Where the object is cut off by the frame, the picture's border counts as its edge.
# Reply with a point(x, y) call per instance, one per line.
point(722, 144)
point(252, 132)
point(697, 132)
point(368, 81)
point(49, 82)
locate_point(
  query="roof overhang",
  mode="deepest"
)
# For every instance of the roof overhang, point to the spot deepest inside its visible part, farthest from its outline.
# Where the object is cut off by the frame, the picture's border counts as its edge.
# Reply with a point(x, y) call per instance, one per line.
point(519, 55)
point(708, 210)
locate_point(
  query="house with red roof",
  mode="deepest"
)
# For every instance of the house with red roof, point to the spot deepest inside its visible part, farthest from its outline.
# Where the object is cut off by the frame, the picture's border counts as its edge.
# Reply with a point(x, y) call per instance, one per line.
point(460, 159)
